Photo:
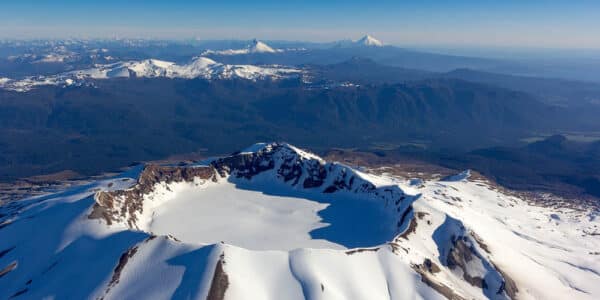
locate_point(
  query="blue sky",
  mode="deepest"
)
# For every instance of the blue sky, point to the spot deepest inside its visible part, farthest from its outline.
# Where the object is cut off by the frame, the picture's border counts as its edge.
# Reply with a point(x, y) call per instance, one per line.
point(508, 23)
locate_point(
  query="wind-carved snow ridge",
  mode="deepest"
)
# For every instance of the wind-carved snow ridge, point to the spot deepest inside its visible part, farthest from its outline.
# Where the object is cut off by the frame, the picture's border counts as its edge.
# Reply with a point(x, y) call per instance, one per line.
point(276, 222)
point(200, 67)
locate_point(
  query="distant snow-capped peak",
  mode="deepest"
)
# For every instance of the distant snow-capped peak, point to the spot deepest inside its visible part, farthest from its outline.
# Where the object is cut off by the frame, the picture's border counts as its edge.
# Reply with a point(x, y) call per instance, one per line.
point(261, 47)
point(365, 41)
point(370, 41)
point(255, 46)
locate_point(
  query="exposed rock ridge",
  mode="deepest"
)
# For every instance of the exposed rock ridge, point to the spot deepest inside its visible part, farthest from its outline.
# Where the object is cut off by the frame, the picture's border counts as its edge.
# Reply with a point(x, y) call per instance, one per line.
point(124, 205)
point(220, 281)
point(301, 169)
point(460, 250)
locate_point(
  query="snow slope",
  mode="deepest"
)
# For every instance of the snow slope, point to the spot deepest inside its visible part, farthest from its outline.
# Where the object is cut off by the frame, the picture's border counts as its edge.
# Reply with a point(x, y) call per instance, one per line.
point(293, 226)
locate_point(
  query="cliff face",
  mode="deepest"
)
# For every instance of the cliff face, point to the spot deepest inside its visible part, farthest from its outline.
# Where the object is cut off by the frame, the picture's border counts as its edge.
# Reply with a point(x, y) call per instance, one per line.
point(125, 205)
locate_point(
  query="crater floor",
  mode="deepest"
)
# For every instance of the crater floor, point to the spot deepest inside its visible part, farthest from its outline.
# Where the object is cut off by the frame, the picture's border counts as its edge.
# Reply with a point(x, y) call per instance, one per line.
point(212, 213)
point(264, 218)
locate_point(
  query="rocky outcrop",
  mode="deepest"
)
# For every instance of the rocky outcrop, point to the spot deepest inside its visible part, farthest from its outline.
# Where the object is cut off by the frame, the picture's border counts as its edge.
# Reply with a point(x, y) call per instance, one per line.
point(293, 166)
point(301, 169)
point(125, 205)
point(509, 286)
point(463, 253)
point(459, 257)
point(120, 266)
point(459, 250)
point(244, 165)
point(220, 281)
point(427, 271)
point(286, 161)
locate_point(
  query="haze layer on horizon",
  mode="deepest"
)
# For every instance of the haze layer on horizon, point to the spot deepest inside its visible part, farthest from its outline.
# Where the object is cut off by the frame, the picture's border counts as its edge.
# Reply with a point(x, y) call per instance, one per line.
point(511, 23)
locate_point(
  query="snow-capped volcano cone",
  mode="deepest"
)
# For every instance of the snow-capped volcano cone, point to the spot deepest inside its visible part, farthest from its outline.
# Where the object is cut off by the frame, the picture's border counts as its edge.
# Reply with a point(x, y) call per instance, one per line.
point(260, 47)
point(369, 41)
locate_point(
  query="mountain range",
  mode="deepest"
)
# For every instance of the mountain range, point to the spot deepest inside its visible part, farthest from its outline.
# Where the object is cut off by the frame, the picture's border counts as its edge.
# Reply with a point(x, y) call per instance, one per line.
point(106, 109)
point(200, 67)
point(429, 176)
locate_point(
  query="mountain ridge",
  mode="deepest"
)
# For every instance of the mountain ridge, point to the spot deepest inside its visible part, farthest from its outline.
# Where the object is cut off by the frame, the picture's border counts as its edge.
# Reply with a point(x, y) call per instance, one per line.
point(200, 67)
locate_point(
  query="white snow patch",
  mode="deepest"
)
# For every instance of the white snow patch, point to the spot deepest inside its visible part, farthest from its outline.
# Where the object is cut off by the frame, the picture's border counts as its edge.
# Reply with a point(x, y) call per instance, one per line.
point(221, 212)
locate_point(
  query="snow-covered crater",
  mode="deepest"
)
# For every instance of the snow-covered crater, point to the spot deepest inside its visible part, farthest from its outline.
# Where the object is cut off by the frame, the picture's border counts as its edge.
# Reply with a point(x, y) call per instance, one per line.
point(274, 197)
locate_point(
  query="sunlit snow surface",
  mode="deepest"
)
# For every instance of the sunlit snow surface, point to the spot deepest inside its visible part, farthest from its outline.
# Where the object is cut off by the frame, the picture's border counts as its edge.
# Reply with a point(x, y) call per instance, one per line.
point(288, 244)
point(249, 219)
point(260, 214)
point(199, 67)
point(551, 258)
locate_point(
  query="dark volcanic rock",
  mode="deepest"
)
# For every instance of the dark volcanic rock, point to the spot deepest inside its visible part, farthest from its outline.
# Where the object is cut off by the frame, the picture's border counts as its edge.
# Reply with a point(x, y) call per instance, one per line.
point(123, 205)
point(288, 164)
point(244, 165)
point(220, 281)
point(460, 255)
